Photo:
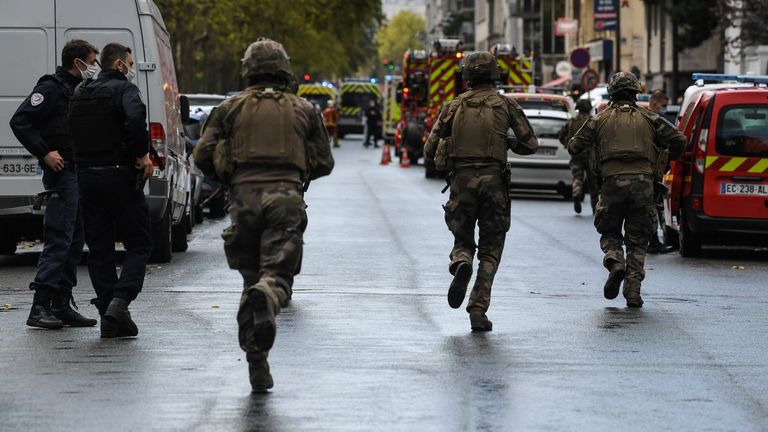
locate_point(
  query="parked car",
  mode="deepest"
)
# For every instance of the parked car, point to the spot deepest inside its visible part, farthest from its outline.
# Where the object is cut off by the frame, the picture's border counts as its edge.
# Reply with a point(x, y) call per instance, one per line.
point(33, 34)
point(718, 188)
point(206, 192)
point(548, 168)
point(205, 103)
point(543, 102)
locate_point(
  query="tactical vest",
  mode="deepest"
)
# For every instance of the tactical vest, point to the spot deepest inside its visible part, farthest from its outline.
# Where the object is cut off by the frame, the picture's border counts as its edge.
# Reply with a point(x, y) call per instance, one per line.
point(96, 124)
point(626, 134)
point(55, 131)
point(265, 132)
point(479, 128)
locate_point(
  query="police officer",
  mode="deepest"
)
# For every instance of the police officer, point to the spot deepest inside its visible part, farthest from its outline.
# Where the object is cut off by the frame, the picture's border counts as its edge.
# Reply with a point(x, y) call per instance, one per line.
point(627, 140)
point(373, 119)
point(265, 167)
point(471, 134)
point(658, 104)
point(108, 121)
point(40, 124)
point(580, 163)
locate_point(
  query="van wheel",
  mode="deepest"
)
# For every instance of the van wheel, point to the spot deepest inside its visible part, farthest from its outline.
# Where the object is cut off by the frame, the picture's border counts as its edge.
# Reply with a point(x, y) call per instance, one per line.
point(8, 244)
point(690, 243)
point(161, 236)
point(179, 236)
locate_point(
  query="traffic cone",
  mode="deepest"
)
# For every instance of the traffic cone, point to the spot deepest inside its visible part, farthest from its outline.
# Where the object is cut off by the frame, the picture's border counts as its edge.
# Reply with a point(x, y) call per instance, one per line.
point(405, 162)
point(386, 158)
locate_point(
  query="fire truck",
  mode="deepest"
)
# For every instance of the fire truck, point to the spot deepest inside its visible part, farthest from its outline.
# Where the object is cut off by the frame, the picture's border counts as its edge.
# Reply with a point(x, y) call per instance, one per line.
point(391, 112)
point(413, 99)
point(515, 69)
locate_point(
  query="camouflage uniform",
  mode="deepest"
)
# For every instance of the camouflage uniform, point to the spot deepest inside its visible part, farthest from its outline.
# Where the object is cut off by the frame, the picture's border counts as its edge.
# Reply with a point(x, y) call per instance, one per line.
point(627, 188)
point(268, 213)
point(579, 164)
point(479, 189)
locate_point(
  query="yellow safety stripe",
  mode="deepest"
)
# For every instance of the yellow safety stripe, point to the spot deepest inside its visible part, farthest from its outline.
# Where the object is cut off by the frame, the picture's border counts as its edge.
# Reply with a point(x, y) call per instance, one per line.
point(360, 88)
point(760, 166)
point(710, 161)
point(349, 111)
point(733, 164)
point(314, 91)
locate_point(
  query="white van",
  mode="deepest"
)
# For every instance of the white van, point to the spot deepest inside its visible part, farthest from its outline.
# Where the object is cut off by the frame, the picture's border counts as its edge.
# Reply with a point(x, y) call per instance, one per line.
point(32, 34)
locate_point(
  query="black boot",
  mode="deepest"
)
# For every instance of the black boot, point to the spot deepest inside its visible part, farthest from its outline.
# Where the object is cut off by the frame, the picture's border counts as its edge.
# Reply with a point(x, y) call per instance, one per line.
point(41, 315)
point(117, 321)
point(615, 278)
point(478, 320)
point(61, 308)
point(577, 203)
point(458, 289)
point(258, 372)
point(264, 324)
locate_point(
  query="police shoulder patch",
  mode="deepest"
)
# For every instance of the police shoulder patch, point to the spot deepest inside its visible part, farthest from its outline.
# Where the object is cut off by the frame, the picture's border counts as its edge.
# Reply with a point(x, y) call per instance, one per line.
point(36, 99)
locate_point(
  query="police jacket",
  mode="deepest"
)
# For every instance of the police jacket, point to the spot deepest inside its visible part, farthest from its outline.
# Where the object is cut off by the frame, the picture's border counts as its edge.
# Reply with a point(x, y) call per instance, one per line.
point(111, 129)
point(40, 122)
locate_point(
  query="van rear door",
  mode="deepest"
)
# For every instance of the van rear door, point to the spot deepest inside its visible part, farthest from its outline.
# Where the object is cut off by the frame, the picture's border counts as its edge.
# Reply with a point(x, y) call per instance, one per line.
point(101, 23)
point(28, 50)
point(736, 174)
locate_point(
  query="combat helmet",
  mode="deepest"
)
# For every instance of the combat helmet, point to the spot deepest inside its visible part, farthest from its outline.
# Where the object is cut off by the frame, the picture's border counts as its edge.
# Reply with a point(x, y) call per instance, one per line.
point(583, 105)
point(621, 81)
point(480, 66)
point(266, 57)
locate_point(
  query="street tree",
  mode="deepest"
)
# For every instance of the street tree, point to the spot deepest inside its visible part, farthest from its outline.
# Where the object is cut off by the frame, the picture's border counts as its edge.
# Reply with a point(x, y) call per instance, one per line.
point(405, 30)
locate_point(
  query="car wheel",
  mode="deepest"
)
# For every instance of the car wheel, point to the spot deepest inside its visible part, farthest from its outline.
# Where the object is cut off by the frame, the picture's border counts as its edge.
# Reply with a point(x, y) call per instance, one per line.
point(198, 211)
point(179, 236)
point(161, 237)
point(689, 242)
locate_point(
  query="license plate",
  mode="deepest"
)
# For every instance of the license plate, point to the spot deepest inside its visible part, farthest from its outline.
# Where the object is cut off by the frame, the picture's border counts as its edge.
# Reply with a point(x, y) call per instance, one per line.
point(546, 151)
point(743, 189)
point(18, 167)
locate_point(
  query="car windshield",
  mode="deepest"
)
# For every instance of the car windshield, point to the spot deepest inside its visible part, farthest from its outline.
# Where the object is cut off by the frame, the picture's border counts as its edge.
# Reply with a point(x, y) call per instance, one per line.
point(546, 127)
point(205, 101)
point(542, 104)
point(742, 130)
point(356, 100)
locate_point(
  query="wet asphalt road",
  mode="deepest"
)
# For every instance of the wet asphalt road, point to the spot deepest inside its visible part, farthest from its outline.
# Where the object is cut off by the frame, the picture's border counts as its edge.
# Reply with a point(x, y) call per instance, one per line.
point(369, 342)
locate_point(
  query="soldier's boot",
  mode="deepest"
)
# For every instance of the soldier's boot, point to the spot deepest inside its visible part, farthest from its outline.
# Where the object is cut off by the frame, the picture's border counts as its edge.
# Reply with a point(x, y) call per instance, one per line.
point(478, 320)
point(258, 372)
point(264, 324)
point(632, 294)
point(577, 204)
point(458, 289)
point(40, 315)
point(62, 307)
point(117, 321)
point(613, 283)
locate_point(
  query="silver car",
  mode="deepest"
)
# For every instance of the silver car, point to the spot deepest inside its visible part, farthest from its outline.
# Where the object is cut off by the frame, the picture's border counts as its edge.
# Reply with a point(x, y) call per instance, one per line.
point(547, 169)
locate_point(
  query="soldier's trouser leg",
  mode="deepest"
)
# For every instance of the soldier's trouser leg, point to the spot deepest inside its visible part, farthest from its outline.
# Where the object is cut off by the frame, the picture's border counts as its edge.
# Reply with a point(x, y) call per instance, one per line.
point(639, 227)
point(593, 182)
point(461, 217)
point(266, 249)
point(578, 169)
point(493, 222)
point(609, 219)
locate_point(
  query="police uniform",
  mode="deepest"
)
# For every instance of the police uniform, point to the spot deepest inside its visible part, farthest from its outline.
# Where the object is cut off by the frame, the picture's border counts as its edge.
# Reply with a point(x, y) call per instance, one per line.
point(373, 120)
point(627, 141)
point(108, 120)
point(579, 164)
point(265, 143)
point(40, 124)
point(471, 135)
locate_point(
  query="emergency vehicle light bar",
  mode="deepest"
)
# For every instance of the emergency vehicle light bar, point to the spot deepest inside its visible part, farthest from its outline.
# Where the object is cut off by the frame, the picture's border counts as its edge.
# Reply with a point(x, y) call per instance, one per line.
point(753, 79)
point(714, 77)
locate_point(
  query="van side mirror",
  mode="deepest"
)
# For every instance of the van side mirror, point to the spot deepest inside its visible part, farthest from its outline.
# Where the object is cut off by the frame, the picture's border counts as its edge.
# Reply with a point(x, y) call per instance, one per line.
point(184, 109)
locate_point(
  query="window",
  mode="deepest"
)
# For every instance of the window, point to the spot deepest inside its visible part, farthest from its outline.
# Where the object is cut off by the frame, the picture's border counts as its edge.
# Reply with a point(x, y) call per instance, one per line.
point(742, 130)
point(546, 127)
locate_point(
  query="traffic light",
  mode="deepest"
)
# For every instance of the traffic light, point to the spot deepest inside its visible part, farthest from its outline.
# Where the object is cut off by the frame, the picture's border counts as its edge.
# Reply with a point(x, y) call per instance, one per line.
point(391, 65)
point(307, 77)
